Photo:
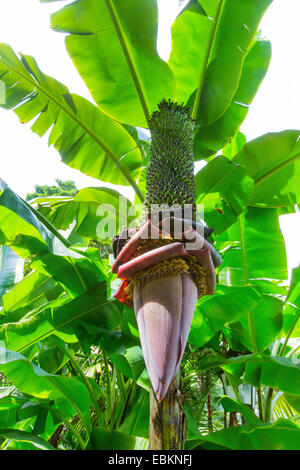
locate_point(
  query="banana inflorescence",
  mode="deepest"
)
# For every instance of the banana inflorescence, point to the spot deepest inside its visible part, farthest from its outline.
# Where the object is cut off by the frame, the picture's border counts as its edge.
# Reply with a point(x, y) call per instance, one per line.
point(162, 274)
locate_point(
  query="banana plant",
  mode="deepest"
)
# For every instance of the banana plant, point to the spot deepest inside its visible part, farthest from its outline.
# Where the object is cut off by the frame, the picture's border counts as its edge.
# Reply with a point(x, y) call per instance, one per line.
point(228, 299)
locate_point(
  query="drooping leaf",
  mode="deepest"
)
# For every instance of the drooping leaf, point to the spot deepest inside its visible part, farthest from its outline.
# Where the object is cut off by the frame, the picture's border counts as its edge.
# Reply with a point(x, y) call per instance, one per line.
point(230, 405)
point(50, 357)
point(79, 129)
point(22, 413)
point(88, 208)
point(115, 53)
point(69, 394)
point(31, 235)
point(275, 372)
point(33, 291)
point(9, 407)
point(90, 310)
point(282, 435)
point(293, 401)
point(23, 436)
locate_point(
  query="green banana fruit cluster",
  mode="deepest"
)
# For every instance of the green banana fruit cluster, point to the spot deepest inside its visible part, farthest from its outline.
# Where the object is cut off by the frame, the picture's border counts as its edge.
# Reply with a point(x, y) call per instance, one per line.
point(170, 176)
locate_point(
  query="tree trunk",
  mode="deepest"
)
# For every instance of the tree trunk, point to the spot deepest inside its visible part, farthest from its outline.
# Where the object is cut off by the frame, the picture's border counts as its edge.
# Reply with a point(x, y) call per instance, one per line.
point(232, 419)
point(56, 436)
point(167, 420)
point(209, 414)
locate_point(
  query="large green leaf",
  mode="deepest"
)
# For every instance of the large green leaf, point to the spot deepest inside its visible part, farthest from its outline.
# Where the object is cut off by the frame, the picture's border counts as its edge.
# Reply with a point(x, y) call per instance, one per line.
point(113, 45)
point(113, 440)
point(89, 207)
point(230, 405)
point(79, 129)
point(23, 436)
point(59, 210)
point(233, 25)
point(276, 372)
point(210, 139)
point(89, 310)
point(282, 435)
point(50, 357)
point(254, 249)
point(235, 145)
point(273, 161)
point(128, 324)
point(213, 312)
point(31, 235)
point(224, 189)
point(255, 318)
point(69, 394)
point(19, 413)
point(260, 326)
point(190, 37)
point(136, 422)
point(282, 373)
point(33, 291)
point(188, 60)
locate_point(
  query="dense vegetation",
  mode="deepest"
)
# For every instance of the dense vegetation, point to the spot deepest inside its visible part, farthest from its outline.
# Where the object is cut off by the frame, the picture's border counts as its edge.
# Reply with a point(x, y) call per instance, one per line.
point(72, 370)
point(62, 188)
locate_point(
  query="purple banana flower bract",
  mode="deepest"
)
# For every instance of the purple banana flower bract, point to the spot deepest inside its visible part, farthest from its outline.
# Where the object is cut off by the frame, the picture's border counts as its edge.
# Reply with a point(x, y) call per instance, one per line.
point(164, 309)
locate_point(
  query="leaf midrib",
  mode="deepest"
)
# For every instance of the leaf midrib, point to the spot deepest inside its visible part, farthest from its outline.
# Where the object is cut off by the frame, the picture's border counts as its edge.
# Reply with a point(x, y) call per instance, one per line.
point(278, 167)
point(32, 292)
point(129, 60)
point(61, 325)
point(206, 60)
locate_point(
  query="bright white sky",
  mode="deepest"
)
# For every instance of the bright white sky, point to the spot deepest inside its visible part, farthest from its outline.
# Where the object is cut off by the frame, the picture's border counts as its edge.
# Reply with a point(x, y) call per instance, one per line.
point(26, 160)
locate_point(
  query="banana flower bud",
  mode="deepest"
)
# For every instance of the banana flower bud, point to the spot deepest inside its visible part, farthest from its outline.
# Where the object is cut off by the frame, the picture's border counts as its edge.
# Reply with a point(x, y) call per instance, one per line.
point(164, 305)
